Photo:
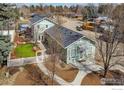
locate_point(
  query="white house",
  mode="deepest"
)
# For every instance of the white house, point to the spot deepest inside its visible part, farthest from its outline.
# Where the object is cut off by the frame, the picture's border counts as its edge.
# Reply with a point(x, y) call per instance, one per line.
point(76, 47)
point(11, 33)
point(39, 23)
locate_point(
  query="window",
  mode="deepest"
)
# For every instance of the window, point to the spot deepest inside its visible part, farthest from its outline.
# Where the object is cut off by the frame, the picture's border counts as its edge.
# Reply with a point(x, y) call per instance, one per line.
point(39, 37)
point(46, 26)
point(73, 50)
point(42, 38)
point(38, 26)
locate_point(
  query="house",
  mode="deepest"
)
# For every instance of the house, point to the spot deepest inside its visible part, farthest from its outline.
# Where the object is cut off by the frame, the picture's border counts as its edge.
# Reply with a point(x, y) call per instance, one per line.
point(23, 27)
point(11, 33)
point(23, 24)
point(38, 24)
point(73, 46)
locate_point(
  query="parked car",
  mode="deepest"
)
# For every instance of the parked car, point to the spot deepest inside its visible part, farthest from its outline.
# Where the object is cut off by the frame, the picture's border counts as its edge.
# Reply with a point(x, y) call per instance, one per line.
point(78, 28)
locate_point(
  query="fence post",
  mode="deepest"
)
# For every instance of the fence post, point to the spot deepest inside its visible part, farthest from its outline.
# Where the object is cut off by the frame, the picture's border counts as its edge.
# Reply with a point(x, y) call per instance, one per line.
point(8, 63)
point(22, 61)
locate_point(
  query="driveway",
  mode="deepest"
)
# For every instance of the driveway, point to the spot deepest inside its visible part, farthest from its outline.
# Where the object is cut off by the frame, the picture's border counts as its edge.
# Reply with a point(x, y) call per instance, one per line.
point(71, 24)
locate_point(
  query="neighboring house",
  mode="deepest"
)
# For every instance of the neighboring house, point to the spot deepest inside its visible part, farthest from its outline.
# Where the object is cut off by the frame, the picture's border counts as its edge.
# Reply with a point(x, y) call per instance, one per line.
point(74, 47)
point(11, 33)
point(23, 24)
point(38, 24)
point(23, 27)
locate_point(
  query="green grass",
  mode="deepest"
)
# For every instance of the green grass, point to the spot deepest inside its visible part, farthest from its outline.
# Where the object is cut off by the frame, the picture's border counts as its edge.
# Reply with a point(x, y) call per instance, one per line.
point(25, 50)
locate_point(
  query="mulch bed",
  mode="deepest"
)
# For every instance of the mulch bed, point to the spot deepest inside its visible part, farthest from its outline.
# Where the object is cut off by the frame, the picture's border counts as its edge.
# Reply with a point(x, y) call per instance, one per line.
point(68, 75)
point(32, 75)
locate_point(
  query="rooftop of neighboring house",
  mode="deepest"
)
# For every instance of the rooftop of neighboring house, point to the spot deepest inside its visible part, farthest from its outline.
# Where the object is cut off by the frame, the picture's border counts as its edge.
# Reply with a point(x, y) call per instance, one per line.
point(63, 36)
point(36, 17)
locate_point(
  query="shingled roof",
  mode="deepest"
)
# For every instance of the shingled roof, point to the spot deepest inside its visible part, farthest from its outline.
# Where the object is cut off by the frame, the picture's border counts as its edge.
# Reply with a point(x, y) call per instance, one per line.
point(63, 36)
point(36, 18)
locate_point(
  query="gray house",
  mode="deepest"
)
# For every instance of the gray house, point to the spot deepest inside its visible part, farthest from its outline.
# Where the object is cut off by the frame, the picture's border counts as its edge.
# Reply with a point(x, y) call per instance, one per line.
point(74, 47)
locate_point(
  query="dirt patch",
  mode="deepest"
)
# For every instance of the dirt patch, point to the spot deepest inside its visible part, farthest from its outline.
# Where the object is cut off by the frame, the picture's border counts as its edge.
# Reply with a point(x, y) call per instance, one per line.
point(32, 75)
point(68, 75)
point(22, 79)
point(94, 78)
point(13, 70)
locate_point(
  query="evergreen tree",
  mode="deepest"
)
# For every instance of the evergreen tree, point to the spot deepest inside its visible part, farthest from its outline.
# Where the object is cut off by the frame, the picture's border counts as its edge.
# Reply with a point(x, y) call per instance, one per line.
point(7, 13)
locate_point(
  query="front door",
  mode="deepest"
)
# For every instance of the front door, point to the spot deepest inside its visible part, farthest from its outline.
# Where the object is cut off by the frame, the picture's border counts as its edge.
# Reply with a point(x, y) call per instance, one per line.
point(41, 37)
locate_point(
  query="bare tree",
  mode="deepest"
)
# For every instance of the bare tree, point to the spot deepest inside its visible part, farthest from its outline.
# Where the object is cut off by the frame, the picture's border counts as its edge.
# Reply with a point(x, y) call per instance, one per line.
point(108, 42)
point(54, 49)
point(107, 45)
point(118, 16)
point(35, 74)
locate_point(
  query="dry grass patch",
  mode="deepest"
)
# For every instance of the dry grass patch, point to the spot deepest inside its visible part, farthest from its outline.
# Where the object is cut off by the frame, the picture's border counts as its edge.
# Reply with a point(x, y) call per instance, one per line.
point(13, 70)
point(91, 79)
point(22, 79)
point(32, 75)
point(66, 74)
point(94, 78)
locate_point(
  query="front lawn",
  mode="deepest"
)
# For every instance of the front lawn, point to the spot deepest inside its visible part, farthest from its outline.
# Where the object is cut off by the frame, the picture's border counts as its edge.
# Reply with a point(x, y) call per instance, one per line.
point(24, 50)
point(32, 75)
point(94, 78)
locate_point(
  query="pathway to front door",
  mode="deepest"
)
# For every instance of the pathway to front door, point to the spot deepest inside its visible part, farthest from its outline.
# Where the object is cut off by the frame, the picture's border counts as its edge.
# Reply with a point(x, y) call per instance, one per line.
point(77, 81)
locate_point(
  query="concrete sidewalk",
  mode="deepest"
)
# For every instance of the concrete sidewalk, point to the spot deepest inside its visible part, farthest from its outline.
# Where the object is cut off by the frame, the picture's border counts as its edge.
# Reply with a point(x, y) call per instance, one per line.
point(47, 72)
point(77, 81)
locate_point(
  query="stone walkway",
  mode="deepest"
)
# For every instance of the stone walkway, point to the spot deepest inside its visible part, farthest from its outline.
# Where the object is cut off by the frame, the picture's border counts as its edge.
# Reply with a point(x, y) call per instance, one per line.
point(77, 81)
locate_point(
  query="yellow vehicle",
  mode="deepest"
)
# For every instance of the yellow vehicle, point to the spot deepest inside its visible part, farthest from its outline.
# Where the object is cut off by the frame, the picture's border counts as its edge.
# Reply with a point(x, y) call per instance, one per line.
point(88, 25)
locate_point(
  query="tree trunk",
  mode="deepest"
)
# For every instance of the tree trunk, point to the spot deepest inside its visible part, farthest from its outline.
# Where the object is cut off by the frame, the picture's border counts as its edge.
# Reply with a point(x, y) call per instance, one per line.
point(105, 72)
point(8, 28)
point(53, 71)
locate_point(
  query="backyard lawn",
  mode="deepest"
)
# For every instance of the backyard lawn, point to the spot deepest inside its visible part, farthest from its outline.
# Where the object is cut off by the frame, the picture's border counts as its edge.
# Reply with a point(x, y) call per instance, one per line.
point(24, 50)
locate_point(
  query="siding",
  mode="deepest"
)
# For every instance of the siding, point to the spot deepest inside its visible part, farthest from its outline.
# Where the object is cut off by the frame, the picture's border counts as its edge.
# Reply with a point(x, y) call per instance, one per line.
point(73, 53)
point(52, 45)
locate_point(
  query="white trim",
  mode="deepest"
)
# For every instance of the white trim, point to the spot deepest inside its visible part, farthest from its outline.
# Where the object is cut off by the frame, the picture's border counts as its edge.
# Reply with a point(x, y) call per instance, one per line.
point(45, 18)
point(75, 41)
point(38, 21)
